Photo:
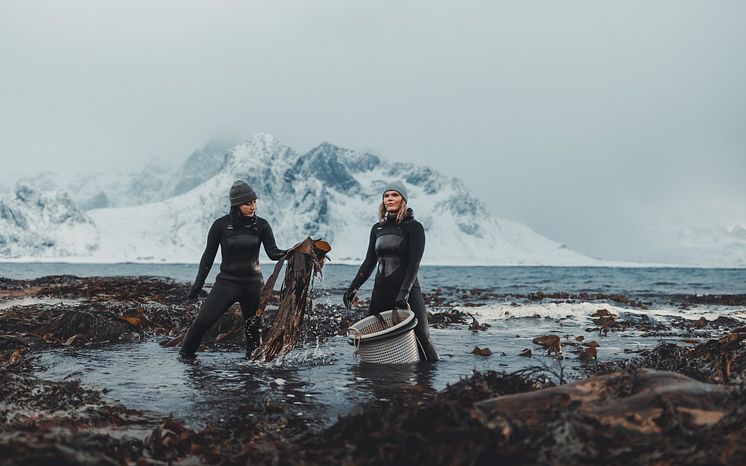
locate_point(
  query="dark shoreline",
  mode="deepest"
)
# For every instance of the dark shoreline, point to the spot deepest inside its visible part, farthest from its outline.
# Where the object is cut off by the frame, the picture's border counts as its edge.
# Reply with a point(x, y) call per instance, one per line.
point(471, 422)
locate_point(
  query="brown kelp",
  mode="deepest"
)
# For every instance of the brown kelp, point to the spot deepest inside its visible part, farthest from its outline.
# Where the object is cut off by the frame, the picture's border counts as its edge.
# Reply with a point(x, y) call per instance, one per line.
point(304, 261)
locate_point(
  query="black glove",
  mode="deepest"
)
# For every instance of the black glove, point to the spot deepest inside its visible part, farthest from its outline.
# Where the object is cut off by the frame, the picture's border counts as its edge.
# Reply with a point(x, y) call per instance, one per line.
point(348, 297)
point(194, 292)
point(402, 300)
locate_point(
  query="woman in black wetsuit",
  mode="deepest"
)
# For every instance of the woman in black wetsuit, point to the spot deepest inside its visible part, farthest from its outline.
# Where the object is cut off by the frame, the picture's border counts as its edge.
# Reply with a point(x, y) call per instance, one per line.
point(239, 235)
point(396, 244)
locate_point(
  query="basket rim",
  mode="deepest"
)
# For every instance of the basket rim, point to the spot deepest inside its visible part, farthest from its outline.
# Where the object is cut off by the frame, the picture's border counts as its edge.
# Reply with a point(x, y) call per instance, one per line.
point(409, 323)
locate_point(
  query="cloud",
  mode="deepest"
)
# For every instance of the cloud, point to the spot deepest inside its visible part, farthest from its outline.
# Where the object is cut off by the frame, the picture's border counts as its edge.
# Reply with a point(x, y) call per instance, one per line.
point(586, 120)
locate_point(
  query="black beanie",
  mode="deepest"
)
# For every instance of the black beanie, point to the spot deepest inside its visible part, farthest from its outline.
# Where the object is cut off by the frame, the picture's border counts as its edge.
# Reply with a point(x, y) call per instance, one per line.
point(241, 193)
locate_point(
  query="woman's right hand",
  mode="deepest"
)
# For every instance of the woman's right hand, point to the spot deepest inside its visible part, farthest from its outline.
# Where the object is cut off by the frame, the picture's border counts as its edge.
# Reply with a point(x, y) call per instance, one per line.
point(349, 297)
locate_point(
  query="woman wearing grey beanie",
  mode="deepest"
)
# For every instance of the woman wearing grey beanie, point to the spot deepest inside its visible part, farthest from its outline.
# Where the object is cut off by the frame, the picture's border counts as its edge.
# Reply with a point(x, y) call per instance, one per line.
point(239, 235)
point(396, 244)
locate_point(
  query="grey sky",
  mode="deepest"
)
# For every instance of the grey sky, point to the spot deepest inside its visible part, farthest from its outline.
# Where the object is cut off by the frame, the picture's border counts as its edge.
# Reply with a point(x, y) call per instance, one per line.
point(586, 120)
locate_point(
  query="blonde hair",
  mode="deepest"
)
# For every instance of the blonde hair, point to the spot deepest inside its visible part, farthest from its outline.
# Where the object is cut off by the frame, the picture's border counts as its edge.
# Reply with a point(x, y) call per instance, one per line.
point(400, 214)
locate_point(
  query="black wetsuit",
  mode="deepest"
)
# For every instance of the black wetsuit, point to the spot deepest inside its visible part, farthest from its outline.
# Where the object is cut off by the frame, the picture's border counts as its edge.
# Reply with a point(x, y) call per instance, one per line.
point(240, 278)
point(397, 248)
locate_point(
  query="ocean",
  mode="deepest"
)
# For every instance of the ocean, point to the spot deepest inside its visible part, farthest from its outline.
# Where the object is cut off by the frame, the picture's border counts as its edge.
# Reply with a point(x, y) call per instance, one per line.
point(325, 380)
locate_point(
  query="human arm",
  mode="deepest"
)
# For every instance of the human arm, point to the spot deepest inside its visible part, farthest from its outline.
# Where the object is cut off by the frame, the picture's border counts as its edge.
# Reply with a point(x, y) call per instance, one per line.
point(416, 237)
point(366, 268)
point(208, 257)
point(270, 246)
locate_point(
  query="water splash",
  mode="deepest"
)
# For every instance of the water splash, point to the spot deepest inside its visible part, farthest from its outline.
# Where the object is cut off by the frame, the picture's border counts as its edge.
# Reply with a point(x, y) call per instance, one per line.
point(306, 355)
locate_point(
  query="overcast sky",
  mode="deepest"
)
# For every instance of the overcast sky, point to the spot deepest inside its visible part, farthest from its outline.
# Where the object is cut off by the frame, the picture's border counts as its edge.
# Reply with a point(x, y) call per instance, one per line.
point(587, 120)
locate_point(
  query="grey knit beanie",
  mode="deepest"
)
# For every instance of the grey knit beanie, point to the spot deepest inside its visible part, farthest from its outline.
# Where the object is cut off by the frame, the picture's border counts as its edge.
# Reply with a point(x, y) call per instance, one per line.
point(397, 186)
point(241, 193)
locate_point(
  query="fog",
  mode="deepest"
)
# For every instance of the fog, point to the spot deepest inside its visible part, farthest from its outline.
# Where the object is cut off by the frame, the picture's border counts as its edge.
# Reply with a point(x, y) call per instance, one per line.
point(589, 121)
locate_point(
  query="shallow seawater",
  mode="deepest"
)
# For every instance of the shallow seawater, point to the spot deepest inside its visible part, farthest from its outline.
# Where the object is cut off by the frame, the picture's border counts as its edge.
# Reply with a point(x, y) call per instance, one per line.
point(653, 283)
point(325, 380)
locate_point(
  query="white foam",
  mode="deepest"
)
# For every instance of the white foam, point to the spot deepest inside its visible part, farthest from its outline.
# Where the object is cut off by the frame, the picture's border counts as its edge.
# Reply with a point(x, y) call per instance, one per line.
point(583, 311)
point(579, 311)
point(708, 312)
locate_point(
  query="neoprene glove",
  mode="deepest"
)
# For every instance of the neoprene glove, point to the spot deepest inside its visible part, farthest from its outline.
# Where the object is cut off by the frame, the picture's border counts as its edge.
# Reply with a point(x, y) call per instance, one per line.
point(194, 292)
point(348, 297)
point(402, 300)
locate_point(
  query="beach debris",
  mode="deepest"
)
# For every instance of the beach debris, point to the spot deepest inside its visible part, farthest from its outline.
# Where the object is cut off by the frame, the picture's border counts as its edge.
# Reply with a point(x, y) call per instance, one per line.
point(679, 420)
point(169, 441)
point(15, 357)
point(555, 348)
point(589, 354)
point(546, 341)
point(475, 325)
point(605, 320)
point(446, 318)
point(642, 406)
point(136, 322)
point(550, 342)
point(700, 323)
point(726, 365)
point(173, 342)
point(603, 313)
point(481, 351)
point(305, 260)
point(525, 353)
point(77, 339)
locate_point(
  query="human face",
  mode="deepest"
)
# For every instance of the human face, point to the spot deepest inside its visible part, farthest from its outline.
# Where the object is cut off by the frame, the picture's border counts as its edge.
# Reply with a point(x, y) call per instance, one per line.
point(392, 201)
point(248, 209)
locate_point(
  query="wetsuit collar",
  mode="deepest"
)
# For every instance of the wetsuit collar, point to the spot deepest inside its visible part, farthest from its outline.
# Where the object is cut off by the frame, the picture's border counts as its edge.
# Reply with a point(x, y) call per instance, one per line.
point(392, 217)
point(243, 220)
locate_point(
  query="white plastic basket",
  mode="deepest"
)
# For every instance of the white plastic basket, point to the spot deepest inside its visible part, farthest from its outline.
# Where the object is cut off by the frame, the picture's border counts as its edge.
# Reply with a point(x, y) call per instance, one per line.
point(385, 344)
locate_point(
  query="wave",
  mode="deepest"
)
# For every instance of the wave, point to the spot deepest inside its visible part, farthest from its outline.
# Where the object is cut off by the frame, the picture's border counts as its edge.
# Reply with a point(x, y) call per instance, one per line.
point(584, 311)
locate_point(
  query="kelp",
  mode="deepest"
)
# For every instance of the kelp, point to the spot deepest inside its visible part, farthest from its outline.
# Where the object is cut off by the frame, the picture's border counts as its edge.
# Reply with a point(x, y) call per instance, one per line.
point(627, 417)
point(304, 261)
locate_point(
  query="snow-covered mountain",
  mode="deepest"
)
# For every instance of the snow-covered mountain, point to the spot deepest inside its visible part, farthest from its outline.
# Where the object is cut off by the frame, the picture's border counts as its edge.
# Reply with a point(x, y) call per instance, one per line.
point(152, 184)
point(44, 224)
point(702, 247)
point(329, 192)
point(199, 167)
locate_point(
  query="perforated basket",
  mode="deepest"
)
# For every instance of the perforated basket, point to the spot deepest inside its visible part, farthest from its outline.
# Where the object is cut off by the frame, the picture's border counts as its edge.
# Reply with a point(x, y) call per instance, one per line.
point(385, 344)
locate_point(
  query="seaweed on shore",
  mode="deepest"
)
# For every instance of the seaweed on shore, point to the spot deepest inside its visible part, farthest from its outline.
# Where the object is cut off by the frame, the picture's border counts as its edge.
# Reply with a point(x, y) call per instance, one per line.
point(626, 413)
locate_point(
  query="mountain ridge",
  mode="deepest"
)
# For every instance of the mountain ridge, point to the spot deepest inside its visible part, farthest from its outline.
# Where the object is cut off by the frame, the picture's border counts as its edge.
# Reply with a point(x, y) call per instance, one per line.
point(329, 192)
